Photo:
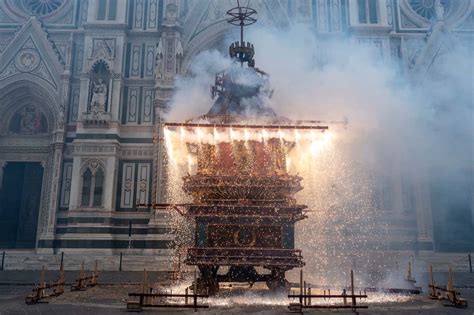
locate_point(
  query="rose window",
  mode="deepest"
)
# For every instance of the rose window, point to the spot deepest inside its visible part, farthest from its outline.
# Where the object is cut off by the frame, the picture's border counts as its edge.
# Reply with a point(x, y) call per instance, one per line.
point(427, 8)
point(41, 7)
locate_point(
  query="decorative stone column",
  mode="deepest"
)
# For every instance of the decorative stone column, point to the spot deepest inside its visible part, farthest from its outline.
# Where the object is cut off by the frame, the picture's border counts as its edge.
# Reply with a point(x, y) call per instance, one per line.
point(53, 175)
point(109, 183)
point(169, 58)
point(353, 15)
point(75, 184)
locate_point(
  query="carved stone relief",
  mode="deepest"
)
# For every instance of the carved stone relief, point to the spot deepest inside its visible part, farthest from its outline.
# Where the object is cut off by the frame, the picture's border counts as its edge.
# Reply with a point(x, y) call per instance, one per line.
point(103, 48)
point(28, 60)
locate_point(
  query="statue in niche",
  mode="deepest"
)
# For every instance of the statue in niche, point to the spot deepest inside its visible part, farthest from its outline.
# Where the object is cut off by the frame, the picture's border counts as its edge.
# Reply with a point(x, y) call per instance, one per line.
point(159, 61)
point(100, 77)
point(439, 9)
point(28, 120)
point(99, 96)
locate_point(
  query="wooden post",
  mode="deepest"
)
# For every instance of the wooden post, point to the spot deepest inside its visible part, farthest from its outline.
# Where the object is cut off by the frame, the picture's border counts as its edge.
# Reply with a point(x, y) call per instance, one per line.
point(186, 297)
point(81, 276)
point(469, 256)
point(450, 287)
point(409, 278)
point(432, 284)
point(344, 299)
point(120, 265)
point(62, 261)
point(94, 274)
point(61, 279)
point(151, 299)
point(304, 291)
point(195, 290)
point(141, 302)
point(3, 261)
point(309, 293)
point(42, 283)
point(352, 290)
point(301, 286)
point(145, 284)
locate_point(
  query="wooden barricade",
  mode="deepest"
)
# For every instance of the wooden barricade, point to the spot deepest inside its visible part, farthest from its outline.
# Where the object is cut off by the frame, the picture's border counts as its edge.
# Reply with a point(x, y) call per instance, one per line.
point(149, 299)
point(43, 291)
point(409, 287)
point(84, 281)
point(305, 298)
point(445, 293)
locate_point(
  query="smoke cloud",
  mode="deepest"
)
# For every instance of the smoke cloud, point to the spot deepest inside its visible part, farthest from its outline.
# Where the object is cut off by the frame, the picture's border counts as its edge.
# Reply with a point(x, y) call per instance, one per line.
point(401, 126)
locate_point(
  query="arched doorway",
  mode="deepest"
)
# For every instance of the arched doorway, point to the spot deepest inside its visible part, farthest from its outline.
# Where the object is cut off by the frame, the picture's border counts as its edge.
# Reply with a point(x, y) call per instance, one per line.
point(20, 199)
point(27, 122)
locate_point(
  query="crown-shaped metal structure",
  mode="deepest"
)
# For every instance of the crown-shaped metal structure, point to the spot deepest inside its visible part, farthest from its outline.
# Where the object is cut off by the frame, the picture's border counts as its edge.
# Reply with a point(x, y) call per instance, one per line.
point(242, 51)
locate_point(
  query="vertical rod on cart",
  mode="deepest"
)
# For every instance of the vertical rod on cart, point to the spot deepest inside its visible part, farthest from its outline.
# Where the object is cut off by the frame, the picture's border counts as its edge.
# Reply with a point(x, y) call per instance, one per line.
point(469, 255)
point(3, 260)
point(301, 286)
point(195, 290)
point(62, 261)
point(120, 265)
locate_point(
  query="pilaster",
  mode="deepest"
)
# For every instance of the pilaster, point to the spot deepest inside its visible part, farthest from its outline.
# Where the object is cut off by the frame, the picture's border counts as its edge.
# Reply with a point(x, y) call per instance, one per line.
point(169, 59)
point(75, 183)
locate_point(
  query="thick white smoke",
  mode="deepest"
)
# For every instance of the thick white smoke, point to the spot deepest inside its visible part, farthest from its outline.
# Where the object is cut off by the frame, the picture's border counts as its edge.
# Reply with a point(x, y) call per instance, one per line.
point(338, 79)
point(420, 128)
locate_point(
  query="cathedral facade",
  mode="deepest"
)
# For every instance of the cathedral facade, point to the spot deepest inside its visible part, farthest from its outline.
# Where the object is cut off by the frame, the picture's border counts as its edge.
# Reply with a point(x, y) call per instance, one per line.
point(83, 84)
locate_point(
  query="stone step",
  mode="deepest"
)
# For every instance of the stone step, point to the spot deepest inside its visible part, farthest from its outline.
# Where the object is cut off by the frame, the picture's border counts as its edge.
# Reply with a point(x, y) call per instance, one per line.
point(441, 262)
point(130, 262)
point(31, 277)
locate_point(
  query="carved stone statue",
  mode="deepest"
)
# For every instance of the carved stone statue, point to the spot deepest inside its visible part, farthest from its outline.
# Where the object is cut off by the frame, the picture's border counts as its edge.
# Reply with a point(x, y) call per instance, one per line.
point(159, 61)
point(61, 119)
point(99, 96)
point(439, 9)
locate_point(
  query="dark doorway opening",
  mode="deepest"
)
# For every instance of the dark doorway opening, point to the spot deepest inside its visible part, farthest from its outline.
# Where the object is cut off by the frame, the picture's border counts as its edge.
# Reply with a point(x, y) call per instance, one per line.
point(19, 204)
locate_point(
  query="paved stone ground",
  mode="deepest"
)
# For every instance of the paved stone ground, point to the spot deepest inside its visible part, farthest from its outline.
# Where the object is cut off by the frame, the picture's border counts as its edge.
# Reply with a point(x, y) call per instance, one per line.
point(111, 298)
